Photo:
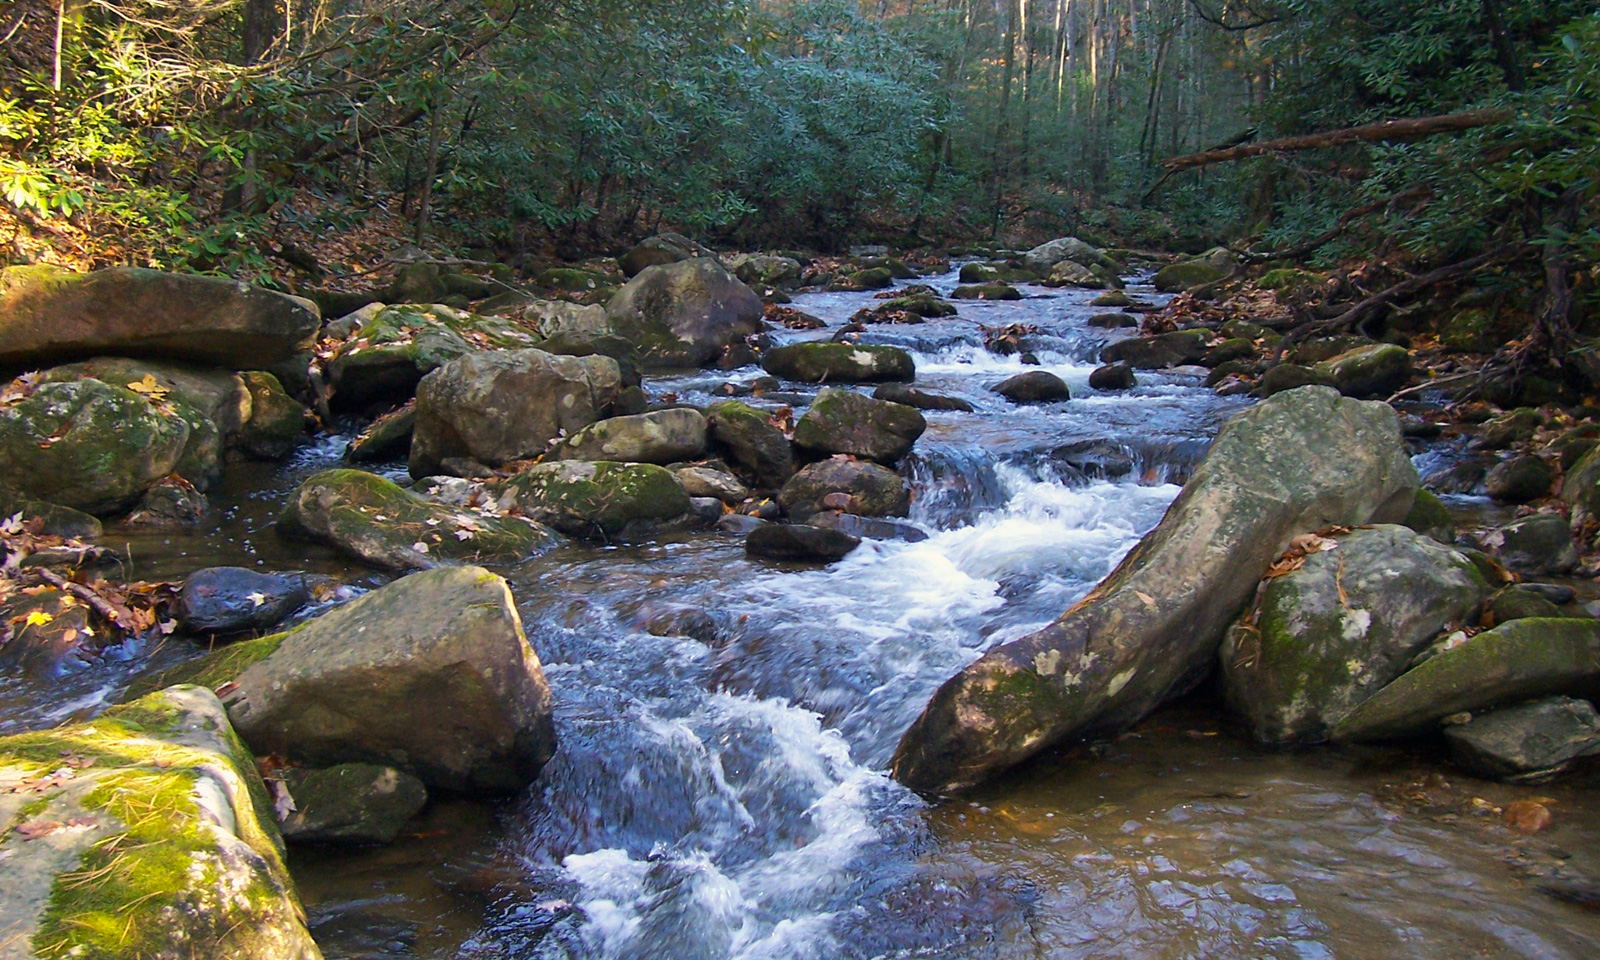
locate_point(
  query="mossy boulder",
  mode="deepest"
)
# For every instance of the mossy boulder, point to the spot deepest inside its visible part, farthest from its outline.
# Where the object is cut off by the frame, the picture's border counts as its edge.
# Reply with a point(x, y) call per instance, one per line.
point(375, 521)
point(1472, 330)
point(48, 315)
point(1244, 329)
point(986, 291)
point(145, 832)
point(507, 405)
point(843, 421)
point(1325, 637)
point(1297, 463)
point(352, 803)
point(839, 363)
point(684, 314)
point(1188, 274)
point(1520, 480)
point(661, 250)
point(1511, 663)
point(754, 443)
point(1228, 351)
point(601, 499)
point(277, 422)
point(869, 278)
point(1288, 376)
point(662, 436)
point(1289, 280)
point(431, 674)
point(996, 271)
point(1431, 518)
point(868, 490)
point(1515, 603)
point(398, 345)
point(1581, 488)
point(1367, 372)
point(921, 304)
point(89, 445)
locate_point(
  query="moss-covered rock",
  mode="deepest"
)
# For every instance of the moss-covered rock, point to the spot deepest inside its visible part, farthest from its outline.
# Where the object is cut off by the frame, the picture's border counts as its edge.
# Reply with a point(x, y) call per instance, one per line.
point(89, 445)
point(996, 271)
point(144, 833)
point(986, 291)
point(814, 362)
point(843, 421)
point(377, 522)
point(398, 345)
point(386, 438)
point(1431, 518)
point(870, 278)
point(1520, 480)
point(1581, 487)
point(1188, 274)
point(921, 304)
point(1289, 280)
point(1508, 429)
point(1367, 372)
point(661, 250)
point(277, 421)
point(1513, 662)
point(868, 489)
point(1288, 376)
point(1047, 256)
point(355, 803)
point(684, 314)
point(1329, 635)
point(1515, 603)
point(662, 436)
point(754, 443)
point(601, 499)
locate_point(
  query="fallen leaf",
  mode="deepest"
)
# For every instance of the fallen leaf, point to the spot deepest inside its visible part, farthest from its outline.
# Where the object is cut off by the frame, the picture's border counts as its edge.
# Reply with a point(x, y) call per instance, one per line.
point(34, 829)
point(258, 598)
point(420, 547)
point(1145, 598)
point(38, 618)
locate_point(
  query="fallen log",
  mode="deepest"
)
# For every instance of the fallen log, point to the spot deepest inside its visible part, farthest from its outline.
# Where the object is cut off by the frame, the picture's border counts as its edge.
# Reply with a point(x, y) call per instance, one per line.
point(1413, 128)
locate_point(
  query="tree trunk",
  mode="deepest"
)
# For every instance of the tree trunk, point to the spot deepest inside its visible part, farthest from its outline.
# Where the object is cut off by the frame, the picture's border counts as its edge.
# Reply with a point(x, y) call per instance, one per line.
point(430, 170)
point(1411, 129)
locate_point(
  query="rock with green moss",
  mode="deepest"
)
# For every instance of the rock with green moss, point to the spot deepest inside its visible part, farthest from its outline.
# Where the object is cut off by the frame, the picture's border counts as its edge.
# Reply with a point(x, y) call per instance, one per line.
point(146, 832)
point(996, 271)
point(1515, 603)
point(755, 444)
point(1327, 636)
point(858, 487)
point(1300, 462)
point(1113, 298)
point(1508, 429)
point(1229, 351)
point(843, 421)
point(1431, 518)
point(507, 405)
point(870, 278)
point(386, 438)
point(921, 304)
point(352, 803)
point(684, 314)
point(601, 499)
point(375, 521)
point(1288, 376)
point(1472, 330)
point(48, 314)
point(1367, 372)
point(397, 346)
point(431, 674)
point(89, 445)
point(1246, 330)
point(814, 362)
point(1581, 488)
point(1188, 274)
point(1289, 280)
point(760, 270)
point(1520, 480)
point(1513, 662)
point(662, 436)
point(986, 291)
point(277, 422)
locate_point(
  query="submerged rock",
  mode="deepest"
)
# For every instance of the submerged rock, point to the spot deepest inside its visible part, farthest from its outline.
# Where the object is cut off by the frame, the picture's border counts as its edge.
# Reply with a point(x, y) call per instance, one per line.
point(145, 832)
point(839, 363)
point(1527, 742)
point(843, 421)
point(867, 489)
point(235, 599)
point(786, 541)
point(1295, 464)
point(1327, 636)
point(351, 803)
point(375, 521)
point(601, 499)
point(684, 313)
point(664, 436)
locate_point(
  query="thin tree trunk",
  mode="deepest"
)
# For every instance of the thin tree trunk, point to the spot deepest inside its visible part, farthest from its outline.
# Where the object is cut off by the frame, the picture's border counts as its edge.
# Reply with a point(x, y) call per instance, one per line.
point(1410, 129)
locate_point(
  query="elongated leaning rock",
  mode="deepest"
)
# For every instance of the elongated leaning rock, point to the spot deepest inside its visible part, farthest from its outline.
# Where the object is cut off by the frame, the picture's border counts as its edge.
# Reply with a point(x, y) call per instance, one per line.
point(1299, 462)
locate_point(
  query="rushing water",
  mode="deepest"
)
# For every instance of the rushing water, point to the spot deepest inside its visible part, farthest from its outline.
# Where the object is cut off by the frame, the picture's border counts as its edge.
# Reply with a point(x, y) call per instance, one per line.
point(725, 724)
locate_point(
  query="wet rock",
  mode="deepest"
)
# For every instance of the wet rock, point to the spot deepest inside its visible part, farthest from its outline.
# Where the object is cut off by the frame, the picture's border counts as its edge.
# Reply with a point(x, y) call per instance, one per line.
point(373, 520)
point(145, 835)
point(661, 250)
point(172, 502)
point(48, 634)
point(1244, 329)
point(664, 436)
point(277, 422)
point(921, 304)
point(1431, 518)
point(1155, 353)
point(1113, 321)
point(1116, 376)
point(48, 519)
point(1553, 592)
point(870, 490)
point(601, 499)
point(684, 314)
point(1327, 636)
point(986, 291)
point(1367, 372)
point(399, 345)
point(920, 399)
point(1508, 430)
point(386, 438)
point(1581, 489)
point(1071, 274)
point(1520, 480)
point(1228, 351)
point(1573, 445)
point(507, 405)
point(739, 524)
point(601, 345)
point(1288, 376)
point(1463, 478)
point(762, 270)
point(1528, 742)
point(786, 541)
point(355, 803)
point(843, 421)
point(1515, 661)
point(866, 528)
point(1112, 298)
point(752, 440)
point(707, 482)
point(1294, 464)
point(235, 600)
point(1539, 545)
point(839, 363)
point(1035, 386)
point(870, 278)
point(1316, 350)
point(1093, 459)
point(1515, 603)
point(678, 620)
point(52, 314)
point(88, 445)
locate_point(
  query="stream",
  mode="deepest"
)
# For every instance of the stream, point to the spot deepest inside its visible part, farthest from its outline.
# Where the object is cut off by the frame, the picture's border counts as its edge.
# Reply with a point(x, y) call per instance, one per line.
point(725, 724)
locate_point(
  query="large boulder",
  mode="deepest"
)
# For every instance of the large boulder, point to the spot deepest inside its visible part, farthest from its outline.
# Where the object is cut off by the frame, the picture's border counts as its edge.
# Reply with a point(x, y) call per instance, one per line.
point(507, 405)
point(661, 250)
point(843, 421)
point(1047, 256)
point(48, 315)
point(755, 444)
point(601, 499)
point(1187, 274)
point(395, 347)
point(684, 313)
point(431, 674)
point(663, 436)
point(1375, 371)
point(1154, 353)
point(88, 445)
point(839, 363)
point(1325, 637)
point(373, 520)
point(1528, 742)
point(1515, 661)
point(854, 486)
point(146, 832)
point(1300, 462)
